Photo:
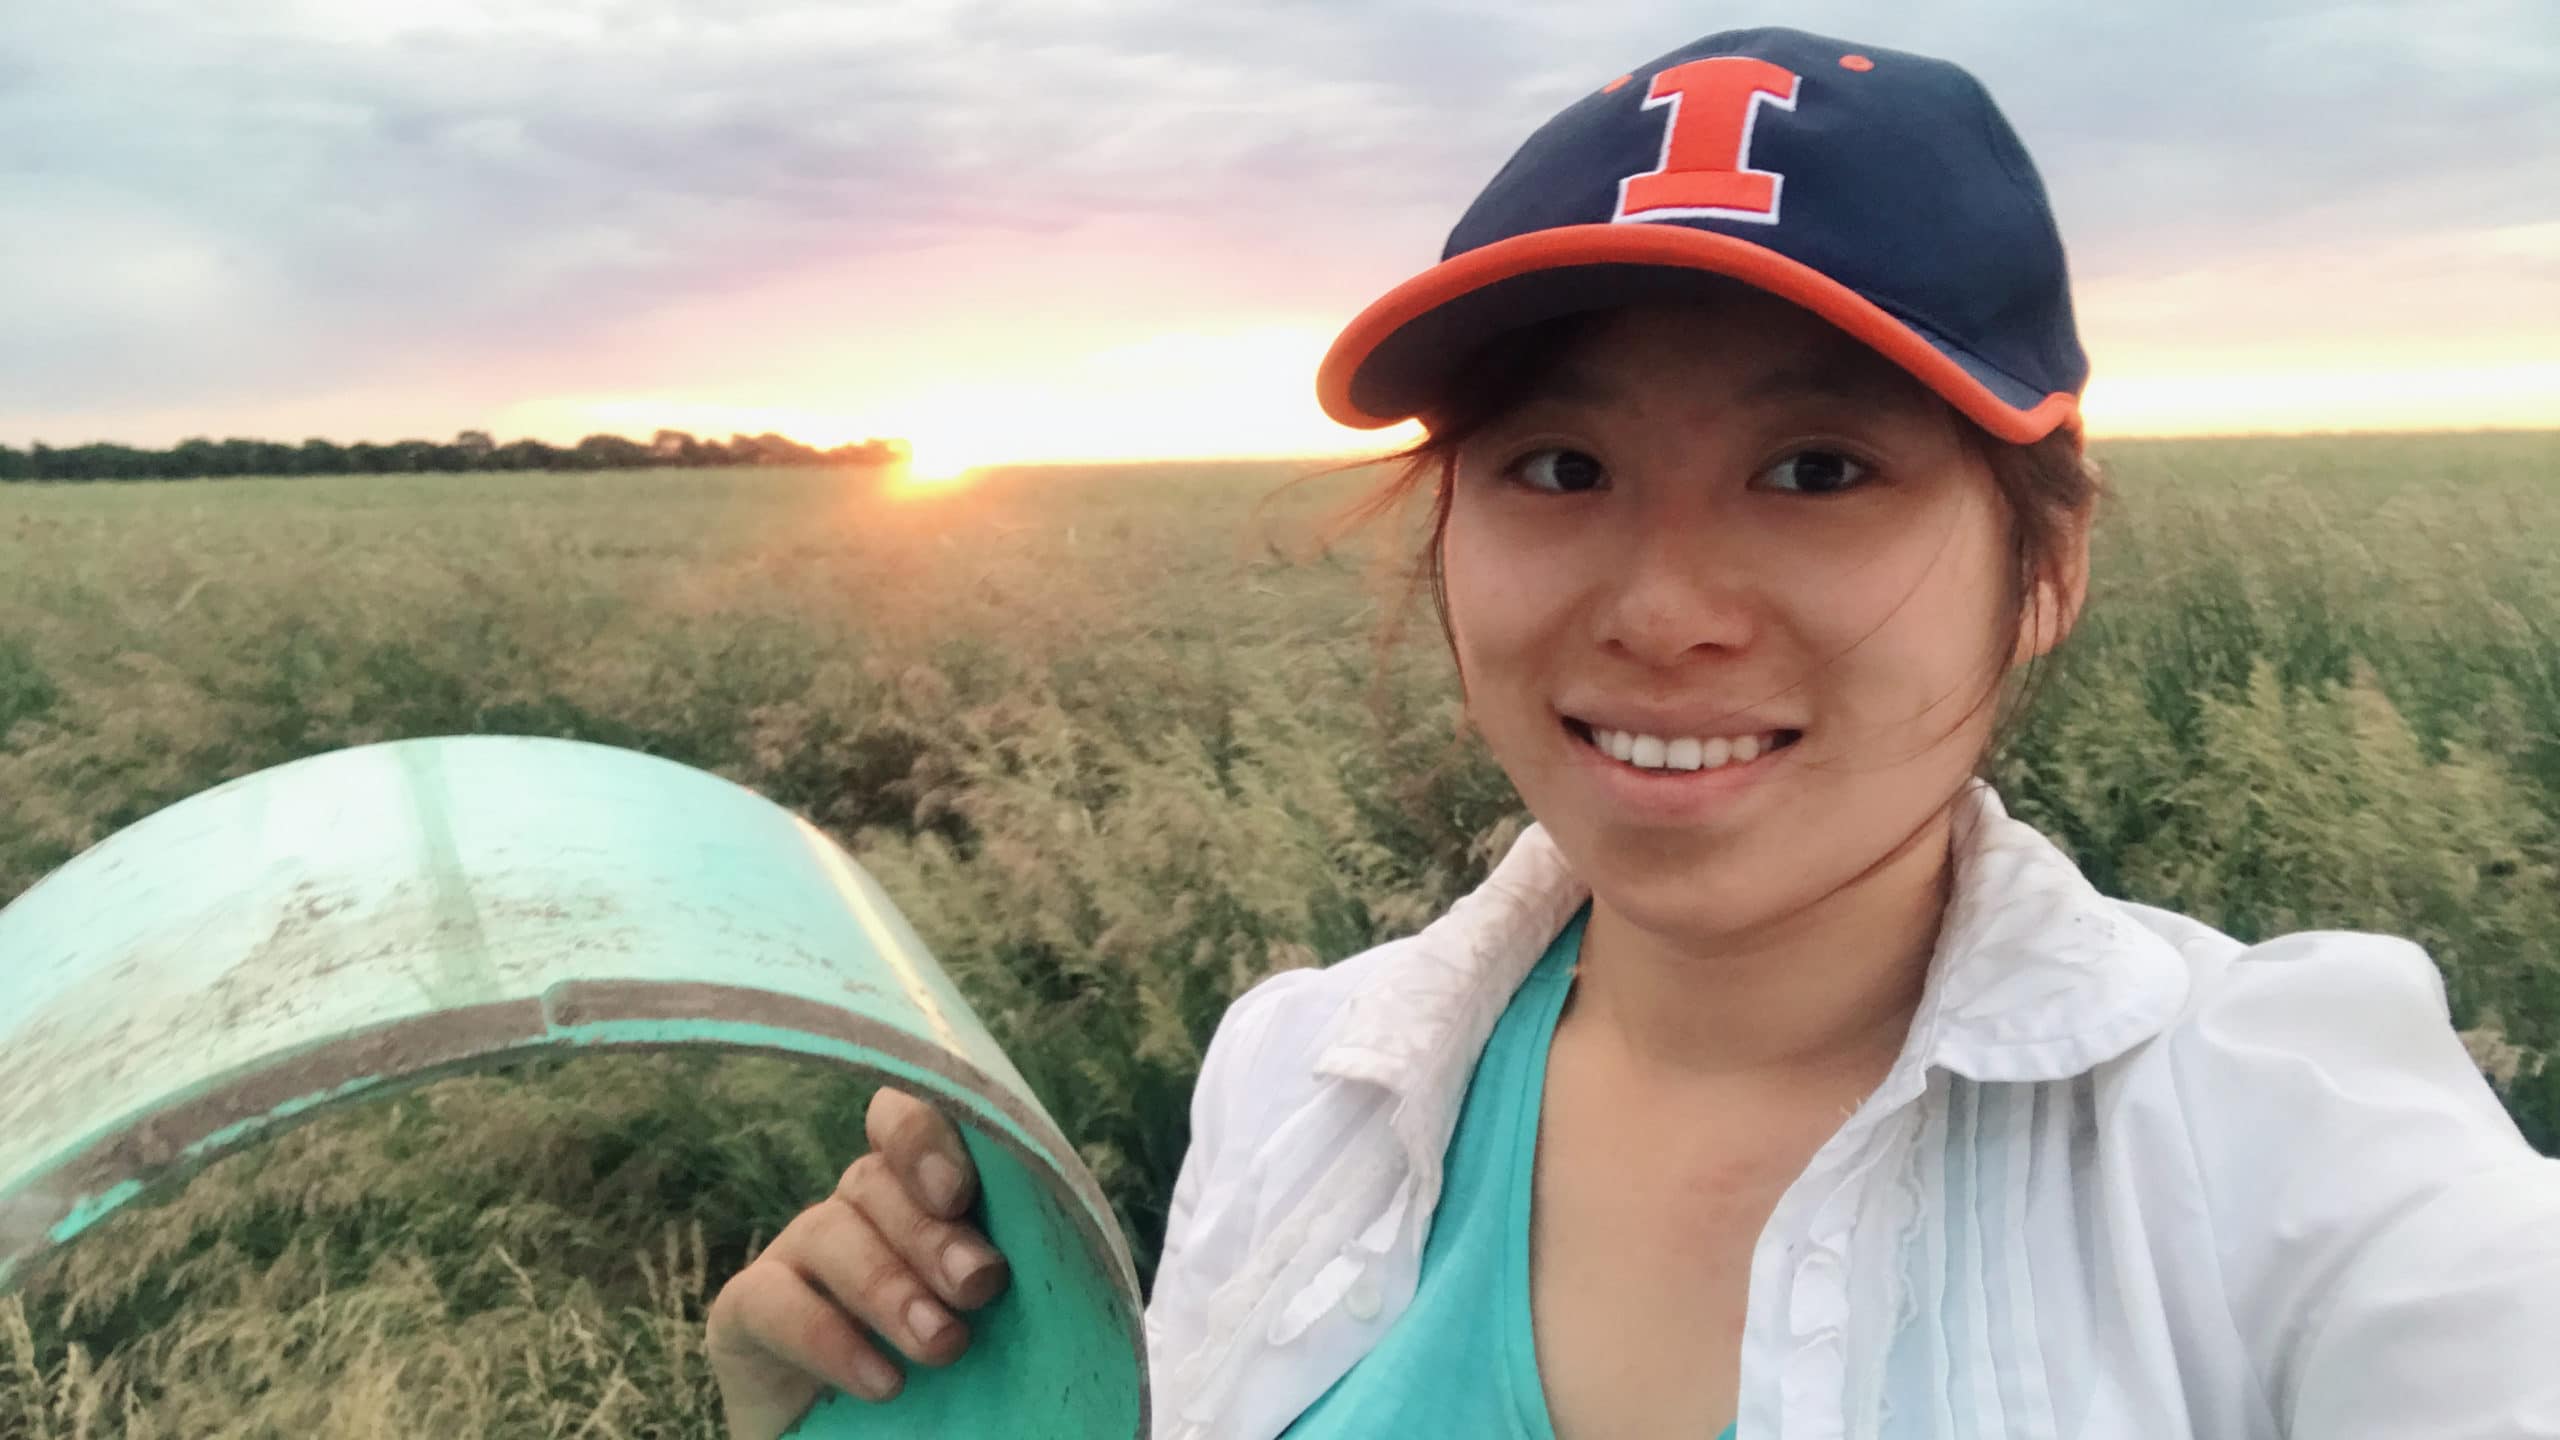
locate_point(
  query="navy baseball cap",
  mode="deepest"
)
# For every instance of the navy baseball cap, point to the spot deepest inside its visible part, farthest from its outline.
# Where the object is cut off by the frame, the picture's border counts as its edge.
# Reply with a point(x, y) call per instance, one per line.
point(1882, 191)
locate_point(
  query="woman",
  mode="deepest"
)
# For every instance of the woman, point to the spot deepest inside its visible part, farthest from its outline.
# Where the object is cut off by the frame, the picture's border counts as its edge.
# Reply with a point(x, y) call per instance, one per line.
point(1775, 1078)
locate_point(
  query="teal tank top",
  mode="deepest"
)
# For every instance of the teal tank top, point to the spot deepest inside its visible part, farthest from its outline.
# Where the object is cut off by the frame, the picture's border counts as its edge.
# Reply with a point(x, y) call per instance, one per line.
point(1462, 1359)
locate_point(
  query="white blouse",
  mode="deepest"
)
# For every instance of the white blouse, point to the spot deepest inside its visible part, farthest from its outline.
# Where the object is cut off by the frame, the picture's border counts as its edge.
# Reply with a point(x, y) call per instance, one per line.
point(2128, 1178)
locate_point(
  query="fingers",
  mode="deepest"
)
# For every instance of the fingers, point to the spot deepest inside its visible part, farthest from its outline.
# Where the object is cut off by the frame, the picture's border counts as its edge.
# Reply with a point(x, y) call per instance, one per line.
point(844, 1255)
point(925, 1150)
point(955, 1261)
point(887, 1258)
point(774, 1338)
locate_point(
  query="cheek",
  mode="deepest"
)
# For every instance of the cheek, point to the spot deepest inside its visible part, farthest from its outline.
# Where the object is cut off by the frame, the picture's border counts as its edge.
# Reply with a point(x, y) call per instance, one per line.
point(1917, 624)
point(1509, 622)
point(1487, 584)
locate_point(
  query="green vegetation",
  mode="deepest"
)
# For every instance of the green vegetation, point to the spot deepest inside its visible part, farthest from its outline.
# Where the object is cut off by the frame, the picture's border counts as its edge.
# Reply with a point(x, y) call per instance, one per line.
point(1118, 754)
point(472, 450)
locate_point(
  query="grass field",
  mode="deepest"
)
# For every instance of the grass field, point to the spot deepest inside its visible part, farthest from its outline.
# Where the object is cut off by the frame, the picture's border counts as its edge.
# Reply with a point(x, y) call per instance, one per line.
point(1119, 751)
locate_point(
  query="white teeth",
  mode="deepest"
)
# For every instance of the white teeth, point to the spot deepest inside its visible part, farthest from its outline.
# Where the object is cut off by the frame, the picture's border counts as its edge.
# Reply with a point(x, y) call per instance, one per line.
point(1652, 752)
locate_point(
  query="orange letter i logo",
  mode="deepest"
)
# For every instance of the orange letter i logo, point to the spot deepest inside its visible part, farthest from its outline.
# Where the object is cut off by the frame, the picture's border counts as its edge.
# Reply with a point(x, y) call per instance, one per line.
point(1706, 146)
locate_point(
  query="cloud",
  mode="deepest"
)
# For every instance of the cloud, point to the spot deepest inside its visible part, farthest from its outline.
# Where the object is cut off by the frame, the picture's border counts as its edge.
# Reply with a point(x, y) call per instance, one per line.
point(202, 206)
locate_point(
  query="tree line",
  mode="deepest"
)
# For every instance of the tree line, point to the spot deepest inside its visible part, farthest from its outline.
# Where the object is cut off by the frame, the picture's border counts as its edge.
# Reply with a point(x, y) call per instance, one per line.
point(202, 459)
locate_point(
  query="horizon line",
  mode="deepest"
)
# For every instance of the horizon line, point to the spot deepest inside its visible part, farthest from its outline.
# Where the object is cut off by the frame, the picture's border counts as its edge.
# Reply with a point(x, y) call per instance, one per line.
point(1349, 458)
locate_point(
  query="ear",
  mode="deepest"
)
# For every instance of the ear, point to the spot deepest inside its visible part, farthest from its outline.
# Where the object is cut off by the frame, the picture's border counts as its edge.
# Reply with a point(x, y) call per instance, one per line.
point(2053, 607)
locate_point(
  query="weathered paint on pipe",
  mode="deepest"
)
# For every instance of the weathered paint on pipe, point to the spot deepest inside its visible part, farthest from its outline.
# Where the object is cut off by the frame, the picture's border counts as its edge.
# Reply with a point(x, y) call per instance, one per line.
point(323, 931)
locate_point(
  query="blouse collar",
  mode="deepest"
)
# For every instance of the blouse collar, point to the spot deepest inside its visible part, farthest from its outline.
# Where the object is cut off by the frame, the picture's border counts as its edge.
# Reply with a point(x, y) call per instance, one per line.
point(2036, 976)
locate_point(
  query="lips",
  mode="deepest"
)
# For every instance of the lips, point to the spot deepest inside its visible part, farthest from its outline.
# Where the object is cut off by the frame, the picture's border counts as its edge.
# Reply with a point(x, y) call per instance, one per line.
point(1653, 752)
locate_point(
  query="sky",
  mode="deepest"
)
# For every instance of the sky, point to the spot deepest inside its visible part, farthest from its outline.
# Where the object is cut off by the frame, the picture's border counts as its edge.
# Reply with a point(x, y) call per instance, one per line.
point(1080, 229)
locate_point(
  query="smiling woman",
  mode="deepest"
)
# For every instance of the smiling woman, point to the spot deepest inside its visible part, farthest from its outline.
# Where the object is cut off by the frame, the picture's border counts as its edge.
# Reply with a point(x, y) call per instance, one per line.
point(1776, 1082)
point(1845, 561)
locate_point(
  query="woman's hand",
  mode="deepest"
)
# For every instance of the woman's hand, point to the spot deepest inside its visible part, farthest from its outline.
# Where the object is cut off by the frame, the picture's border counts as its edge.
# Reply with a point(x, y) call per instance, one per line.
point(883, 1257)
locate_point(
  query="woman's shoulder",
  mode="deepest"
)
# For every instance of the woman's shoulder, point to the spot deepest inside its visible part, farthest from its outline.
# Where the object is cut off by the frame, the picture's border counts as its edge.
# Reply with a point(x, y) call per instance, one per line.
point(2325, 1042)
point(1262, 1055)
point(2353, 1173)
point(2315, 1093)
point(2324, 1022)
point(1295, 1007)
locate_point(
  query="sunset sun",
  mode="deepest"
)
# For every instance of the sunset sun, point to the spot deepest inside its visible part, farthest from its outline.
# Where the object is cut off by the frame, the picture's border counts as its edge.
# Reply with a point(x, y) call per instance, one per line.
point(933, 463)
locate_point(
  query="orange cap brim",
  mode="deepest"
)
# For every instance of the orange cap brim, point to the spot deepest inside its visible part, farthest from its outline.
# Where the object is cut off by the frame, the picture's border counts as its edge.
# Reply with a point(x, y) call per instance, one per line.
point(1673, 247)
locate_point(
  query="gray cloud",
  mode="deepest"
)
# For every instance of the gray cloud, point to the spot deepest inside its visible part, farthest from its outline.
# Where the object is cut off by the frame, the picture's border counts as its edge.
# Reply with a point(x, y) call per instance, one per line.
point(202, 203)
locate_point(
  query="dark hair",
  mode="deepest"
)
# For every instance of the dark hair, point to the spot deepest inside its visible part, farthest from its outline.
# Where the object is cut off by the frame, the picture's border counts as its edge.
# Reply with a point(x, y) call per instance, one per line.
point(2048, 488)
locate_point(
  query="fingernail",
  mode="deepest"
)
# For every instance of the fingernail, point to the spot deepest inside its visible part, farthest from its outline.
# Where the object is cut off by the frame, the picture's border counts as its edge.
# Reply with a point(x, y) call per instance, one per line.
point(874, 1378)
point(962, 1260)
point(926, 1320)
point(941, 1183)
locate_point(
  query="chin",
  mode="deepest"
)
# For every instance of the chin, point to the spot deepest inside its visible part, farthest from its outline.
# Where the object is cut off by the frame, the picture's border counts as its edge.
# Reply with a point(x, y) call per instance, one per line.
point(1683, 882)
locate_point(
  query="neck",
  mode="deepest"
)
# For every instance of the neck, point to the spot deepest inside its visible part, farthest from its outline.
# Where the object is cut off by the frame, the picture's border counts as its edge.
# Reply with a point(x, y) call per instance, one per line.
point(1829, 987)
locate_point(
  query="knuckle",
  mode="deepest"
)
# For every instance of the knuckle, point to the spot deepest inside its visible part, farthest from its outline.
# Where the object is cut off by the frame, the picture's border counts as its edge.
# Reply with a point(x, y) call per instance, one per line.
point(795, 1236)
point(822, 1332)
point(929, 1235)
point(866, 1174)
point(860, 1253)
point(722, 1317)
point(883, 1277)
point(738, 1311)
point(754, 1281)
point(920, 1233)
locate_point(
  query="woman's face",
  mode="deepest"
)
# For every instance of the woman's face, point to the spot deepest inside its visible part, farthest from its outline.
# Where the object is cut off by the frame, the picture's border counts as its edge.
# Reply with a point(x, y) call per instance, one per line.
point(1738, 535)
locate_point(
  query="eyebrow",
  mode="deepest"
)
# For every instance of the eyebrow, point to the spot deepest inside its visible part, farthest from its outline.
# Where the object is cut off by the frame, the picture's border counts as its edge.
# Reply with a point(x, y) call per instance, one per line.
point(1837, 372)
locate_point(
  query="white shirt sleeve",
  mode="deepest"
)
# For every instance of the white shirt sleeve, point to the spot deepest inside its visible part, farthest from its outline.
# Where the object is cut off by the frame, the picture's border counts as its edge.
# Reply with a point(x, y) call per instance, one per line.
point(1208, 1224)
point(2447, 1320)
point(2390, 1244)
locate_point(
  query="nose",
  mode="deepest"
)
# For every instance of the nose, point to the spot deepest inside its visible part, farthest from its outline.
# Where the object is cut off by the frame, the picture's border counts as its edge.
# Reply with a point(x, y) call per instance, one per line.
point(1681, 580)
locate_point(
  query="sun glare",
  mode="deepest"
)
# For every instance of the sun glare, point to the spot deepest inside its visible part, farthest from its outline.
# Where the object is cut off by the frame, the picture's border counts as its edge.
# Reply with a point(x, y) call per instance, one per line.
point(932, 465)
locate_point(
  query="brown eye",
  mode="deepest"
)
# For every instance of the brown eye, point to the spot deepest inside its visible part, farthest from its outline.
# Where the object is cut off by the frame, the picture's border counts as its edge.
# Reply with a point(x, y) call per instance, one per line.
point(1815, 472)
point(1558, 471)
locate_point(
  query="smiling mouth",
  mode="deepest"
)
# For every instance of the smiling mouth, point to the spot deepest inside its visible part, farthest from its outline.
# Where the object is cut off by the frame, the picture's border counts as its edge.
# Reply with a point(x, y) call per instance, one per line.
point(1673, 755)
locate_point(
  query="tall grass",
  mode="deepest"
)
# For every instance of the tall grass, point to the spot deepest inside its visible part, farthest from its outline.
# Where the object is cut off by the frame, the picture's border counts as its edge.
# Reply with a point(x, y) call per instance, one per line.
point(1118, 753)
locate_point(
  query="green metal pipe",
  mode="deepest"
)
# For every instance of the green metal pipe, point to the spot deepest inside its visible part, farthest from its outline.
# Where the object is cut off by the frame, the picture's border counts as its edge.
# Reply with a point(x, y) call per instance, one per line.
point(321, 932)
